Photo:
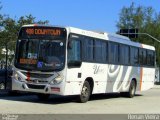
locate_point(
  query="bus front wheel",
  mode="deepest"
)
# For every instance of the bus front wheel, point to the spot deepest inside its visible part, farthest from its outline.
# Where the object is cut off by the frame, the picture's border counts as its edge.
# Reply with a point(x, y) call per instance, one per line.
point(85, 93)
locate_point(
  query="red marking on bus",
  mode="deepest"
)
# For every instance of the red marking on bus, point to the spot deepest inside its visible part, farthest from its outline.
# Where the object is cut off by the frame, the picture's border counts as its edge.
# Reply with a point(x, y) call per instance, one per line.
point(56, 89)
point(28, 76)
point(35, 25)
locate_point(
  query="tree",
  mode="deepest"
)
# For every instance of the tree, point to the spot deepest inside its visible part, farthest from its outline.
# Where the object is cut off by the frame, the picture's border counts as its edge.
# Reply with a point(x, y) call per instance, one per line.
point(146, 20)
point(1, 29)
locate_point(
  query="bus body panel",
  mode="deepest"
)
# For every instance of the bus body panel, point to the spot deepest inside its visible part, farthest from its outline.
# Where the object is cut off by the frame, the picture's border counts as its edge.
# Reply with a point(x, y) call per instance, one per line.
point(109, 78)
point(147, 78)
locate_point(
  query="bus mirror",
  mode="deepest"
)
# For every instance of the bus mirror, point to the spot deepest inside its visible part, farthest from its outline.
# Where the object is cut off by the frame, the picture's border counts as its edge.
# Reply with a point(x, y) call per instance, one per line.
point(70, 45)
point(74, 64)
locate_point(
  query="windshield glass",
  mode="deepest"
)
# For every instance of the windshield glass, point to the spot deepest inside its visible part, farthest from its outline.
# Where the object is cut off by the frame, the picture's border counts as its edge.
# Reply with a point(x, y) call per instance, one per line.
point(43, 55)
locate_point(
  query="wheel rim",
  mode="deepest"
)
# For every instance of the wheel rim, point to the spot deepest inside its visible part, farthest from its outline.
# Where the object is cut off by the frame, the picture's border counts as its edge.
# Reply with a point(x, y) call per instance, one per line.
point(85, 92)
point(132, 90)
point(2, 87)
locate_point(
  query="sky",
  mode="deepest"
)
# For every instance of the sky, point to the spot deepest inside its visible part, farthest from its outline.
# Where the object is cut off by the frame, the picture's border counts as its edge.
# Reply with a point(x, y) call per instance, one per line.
point(97, 15)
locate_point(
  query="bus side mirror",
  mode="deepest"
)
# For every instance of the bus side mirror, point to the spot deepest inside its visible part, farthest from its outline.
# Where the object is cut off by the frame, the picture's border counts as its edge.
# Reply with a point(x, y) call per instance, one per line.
point(70, 44)
point(74, 64)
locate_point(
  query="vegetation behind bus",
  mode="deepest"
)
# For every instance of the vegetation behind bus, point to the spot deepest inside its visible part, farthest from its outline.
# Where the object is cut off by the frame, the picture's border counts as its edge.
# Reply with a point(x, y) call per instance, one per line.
point(146, 19)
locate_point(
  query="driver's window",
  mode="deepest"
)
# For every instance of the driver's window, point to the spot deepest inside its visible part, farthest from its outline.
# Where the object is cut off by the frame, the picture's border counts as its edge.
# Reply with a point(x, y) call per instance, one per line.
point(74, 50)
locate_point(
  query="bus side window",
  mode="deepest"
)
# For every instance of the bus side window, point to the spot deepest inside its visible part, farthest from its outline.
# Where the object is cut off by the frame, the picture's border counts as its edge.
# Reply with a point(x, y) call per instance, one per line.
point(113, 53)
point(74, 53)
point(134, 56)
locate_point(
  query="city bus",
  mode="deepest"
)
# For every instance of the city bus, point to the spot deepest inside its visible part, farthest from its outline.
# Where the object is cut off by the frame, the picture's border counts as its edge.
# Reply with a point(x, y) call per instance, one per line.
point(70, 61)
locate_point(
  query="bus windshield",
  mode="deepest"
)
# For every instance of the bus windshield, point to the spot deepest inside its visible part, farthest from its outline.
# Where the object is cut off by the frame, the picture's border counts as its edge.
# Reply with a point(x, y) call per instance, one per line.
point(41, 48)
point(44, 55)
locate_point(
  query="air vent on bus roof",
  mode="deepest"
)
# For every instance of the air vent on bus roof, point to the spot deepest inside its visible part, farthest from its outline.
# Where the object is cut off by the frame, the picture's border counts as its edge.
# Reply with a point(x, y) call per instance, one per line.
point(100, 32)
point(116, 36)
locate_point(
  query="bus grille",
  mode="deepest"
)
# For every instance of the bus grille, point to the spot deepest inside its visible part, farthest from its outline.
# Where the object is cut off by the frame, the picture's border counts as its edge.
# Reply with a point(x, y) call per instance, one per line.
point(38, 75)
point(37, 81)
point(36, 86)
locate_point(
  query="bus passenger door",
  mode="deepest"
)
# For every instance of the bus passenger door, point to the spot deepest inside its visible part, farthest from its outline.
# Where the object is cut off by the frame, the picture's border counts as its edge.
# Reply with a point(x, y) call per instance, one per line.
point(74, 72)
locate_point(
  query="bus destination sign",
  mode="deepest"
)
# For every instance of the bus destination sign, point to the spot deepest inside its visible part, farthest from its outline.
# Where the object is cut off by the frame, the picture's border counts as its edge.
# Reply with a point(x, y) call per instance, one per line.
point(43, 31)
point(47, 32)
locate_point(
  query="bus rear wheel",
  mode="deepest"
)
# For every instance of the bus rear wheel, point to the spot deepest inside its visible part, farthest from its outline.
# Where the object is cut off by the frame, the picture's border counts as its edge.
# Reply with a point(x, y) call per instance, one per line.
point(43, 97)
point(85, 93)
point(132, 89)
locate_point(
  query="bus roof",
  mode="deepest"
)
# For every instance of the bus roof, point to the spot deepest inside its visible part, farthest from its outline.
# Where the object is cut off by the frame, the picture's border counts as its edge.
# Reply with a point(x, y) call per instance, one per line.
point(109, 36)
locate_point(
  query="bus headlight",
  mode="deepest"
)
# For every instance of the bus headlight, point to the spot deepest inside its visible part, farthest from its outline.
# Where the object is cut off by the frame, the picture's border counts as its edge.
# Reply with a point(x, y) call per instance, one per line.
point(57, 80)
point(17, 77)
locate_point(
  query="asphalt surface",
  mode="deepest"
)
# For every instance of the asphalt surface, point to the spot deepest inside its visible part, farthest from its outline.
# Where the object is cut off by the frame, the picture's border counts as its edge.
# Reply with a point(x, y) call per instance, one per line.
point(143, 103)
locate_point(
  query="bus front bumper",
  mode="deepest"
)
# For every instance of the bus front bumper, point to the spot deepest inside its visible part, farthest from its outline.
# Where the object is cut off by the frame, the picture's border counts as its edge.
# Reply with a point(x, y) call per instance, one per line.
point(37, 88)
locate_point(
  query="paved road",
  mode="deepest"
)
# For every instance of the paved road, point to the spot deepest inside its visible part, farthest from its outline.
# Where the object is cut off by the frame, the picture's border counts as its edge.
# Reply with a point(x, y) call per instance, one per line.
point(144, 102)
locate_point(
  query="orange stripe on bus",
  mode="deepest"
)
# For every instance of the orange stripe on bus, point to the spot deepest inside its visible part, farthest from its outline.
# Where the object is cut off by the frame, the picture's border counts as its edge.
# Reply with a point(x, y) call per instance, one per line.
point(141, 74)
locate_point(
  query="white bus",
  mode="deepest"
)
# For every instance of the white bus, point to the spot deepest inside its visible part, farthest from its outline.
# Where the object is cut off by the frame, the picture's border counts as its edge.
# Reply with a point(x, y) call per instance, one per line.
point(71, 61)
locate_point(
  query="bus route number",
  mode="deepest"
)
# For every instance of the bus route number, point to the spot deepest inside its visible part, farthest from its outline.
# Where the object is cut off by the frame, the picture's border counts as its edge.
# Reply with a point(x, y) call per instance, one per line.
point(30, 31)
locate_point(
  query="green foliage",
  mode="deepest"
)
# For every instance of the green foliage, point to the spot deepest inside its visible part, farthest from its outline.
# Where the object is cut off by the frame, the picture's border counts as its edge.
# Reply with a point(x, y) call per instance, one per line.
point(146, 20)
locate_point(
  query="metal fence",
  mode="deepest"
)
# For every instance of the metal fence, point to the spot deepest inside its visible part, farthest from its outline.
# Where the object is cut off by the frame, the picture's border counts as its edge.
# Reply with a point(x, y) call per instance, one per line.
point(3, 64)
point(6, 56)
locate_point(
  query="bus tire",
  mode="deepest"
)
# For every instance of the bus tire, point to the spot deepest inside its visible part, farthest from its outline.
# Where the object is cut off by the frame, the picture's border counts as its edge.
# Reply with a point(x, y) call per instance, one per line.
point(85, 93)
point(123, 94)
point(2, 86)
point(43, 97)
point(13, 92)
point(132, 89)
